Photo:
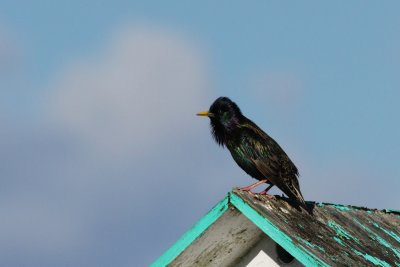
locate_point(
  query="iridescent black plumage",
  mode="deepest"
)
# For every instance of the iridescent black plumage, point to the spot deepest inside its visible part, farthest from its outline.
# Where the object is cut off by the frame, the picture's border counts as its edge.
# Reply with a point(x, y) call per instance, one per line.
point(254, 151)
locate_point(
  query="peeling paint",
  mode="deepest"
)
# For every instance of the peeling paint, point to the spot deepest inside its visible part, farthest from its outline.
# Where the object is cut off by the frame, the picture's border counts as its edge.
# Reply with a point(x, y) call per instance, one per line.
point(331, 228)
point(376, 237)
point(372, 259)
point(333, 235)
point(341, 232)
point(310, 244)
point(341, 207)
point(338, 240)
point(390, 233)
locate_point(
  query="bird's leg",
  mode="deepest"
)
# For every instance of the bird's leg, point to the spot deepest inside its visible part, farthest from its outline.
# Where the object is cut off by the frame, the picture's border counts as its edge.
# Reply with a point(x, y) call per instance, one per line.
point(265, 192)
point(248, 188)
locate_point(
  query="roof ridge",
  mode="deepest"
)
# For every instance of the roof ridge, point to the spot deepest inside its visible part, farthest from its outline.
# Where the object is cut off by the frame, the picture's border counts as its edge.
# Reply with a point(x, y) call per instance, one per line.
point(339, 206)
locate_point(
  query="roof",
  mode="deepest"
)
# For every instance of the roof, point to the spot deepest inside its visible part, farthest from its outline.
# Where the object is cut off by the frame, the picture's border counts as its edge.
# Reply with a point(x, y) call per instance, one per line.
point(332, 235)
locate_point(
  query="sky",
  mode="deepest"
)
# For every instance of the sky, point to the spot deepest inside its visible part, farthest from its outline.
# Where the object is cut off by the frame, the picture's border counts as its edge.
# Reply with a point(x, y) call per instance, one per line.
point(103, 161)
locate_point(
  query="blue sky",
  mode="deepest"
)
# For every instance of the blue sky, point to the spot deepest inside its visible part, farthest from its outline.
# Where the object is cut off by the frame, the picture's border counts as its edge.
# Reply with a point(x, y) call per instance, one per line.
point(106, 164)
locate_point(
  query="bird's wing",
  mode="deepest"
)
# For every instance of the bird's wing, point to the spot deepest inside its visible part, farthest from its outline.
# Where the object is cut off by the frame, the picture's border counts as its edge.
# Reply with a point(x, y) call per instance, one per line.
point(259, 147)
point(270, 160)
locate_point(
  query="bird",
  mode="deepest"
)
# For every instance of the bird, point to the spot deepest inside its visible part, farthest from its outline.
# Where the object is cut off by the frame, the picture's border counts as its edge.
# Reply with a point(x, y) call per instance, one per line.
point(258, 154)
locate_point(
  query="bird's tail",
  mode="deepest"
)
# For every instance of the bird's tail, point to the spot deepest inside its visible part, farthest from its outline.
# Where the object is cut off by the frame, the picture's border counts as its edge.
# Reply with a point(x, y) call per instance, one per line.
point(300, 199)
point(297, 196)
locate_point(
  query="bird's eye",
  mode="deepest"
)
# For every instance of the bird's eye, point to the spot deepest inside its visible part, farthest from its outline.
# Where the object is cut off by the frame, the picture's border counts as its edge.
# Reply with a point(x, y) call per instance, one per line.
point(223, 110)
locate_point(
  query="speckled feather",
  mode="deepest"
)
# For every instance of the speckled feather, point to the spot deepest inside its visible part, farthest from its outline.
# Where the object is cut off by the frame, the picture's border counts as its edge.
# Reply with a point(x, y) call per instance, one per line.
point(253, 150)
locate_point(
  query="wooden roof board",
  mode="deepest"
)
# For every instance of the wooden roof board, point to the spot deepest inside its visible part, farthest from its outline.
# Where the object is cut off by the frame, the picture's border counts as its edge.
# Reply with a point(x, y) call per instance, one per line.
point(333, 234)
point(224, 243)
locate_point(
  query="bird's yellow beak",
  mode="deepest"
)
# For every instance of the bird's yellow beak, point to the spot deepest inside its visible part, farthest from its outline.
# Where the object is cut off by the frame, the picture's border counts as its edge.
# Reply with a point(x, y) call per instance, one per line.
point(203, 113)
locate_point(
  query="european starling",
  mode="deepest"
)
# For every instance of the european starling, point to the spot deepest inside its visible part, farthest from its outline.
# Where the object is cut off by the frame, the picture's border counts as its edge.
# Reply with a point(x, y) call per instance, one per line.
point(254, 151)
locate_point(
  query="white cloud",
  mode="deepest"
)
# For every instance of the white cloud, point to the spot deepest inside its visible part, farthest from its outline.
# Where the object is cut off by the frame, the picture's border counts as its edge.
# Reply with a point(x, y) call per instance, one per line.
point(143, 91)
point(119, 127)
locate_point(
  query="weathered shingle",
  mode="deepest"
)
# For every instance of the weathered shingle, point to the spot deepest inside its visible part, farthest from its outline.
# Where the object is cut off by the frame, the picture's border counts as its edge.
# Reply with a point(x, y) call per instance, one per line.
point(336, 234)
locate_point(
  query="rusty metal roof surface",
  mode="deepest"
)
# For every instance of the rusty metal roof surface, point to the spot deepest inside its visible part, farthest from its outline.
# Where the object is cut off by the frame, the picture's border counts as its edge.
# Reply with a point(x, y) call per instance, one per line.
point(335, 234)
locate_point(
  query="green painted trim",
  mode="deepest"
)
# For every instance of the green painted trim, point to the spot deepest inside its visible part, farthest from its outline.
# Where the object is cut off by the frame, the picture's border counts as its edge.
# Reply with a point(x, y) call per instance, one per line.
point(304, 256)
point(192, 234)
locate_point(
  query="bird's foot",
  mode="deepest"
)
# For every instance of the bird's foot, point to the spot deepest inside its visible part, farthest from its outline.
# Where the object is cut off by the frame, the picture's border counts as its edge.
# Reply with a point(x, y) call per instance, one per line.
point(248, 188)
point(245, 189)
point(265, 192)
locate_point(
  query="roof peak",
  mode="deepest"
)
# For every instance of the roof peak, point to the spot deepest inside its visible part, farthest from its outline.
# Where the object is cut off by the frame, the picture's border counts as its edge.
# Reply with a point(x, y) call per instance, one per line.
point(332, 234)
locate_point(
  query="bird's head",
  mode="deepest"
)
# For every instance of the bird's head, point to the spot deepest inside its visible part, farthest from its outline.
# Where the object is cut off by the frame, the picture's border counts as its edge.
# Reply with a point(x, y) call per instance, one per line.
point(225, 116)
